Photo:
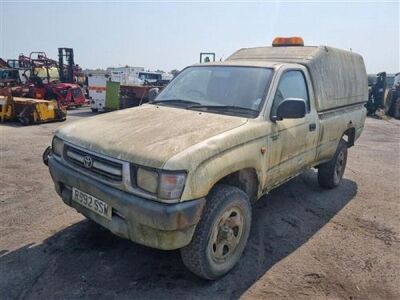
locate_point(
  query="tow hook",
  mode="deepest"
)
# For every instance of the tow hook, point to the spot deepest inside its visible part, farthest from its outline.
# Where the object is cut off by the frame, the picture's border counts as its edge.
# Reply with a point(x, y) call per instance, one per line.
point(45, 155)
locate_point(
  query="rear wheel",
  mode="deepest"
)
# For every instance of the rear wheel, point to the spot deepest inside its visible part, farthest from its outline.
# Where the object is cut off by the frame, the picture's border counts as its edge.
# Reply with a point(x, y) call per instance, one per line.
point(60, 115)
point(330, 173)
point(396, 109)
point(221, 235)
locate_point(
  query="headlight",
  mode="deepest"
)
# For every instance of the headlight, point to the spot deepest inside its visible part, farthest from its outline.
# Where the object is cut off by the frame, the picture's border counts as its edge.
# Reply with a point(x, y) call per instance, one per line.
point(165, 184)
point(147, 180)
point(57, 146)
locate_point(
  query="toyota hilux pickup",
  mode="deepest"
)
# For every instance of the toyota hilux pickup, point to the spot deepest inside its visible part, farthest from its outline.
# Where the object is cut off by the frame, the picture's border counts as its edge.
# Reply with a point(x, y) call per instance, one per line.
point(183, 171)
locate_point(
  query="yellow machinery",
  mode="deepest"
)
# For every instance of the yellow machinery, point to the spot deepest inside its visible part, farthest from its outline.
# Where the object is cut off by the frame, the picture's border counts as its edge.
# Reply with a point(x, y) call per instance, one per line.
point(29, 111)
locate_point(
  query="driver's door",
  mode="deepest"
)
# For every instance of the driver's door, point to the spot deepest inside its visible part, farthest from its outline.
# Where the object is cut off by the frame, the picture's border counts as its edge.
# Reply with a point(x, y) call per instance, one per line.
point(292, 143)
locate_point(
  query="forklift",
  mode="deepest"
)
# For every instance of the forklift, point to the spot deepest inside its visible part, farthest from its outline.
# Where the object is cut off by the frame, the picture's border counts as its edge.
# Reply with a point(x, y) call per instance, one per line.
point(50, 79)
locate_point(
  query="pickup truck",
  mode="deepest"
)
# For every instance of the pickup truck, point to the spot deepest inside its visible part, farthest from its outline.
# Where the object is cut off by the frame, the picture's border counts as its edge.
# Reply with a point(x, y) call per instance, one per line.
point(183, 171)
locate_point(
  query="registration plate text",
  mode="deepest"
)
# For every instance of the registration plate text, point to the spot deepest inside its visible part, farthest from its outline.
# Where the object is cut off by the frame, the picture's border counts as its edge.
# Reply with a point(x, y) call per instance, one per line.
point(92, 203)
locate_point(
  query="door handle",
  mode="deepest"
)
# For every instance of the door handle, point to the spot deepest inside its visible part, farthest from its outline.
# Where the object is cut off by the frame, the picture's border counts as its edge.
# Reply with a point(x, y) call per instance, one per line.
point(312, 127)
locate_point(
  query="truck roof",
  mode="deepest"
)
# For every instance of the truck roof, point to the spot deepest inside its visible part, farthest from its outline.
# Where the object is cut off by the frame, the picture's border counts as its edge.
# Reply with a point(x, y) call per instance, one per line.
point(244, 62)
point(288, 54)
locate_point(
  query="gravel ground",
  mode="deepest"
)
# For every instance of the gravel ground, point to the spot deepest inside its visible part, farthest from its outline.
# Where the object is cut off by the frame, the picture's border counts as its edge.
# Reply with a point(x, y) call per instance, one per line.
point(306, 242)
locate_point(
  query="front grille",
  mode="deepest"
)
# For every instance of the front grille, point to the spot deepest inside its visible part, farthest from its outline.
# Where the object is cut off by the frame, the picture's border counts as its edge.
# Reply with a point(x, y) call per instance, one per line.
point(93, 164)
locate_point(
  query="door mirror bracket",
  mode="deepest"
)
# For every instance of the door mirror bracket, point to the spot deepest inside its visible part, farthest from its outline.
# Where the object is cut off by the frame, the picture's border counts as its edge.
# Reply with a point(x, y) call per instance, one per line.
point(276, 118)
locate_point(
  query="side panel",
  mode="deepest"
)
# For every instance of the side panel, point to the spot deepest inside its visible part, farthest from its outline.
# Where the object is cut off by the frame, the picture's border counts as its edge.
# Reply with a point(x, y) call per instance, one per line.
point(291, 149)
point(339, 78)
point(112, 95)
point(333, 126)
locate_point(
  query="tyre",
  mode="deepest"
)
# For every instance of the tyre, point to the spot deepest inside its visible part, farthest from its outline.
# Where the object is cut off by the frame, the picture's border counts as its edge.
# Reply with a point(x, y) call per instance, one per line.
point(24, 121)
point(388, 103)
point(330, 173)
point(60, 116)
point(95, 110)
point(45, 155)
point(221, 235)
point(396, 109)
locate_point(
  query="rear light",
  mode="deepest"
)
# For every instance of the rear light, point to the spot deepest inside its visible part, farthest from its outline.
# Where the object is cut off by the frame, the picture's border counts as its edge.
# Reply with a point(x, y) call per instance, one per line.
point(287, 41)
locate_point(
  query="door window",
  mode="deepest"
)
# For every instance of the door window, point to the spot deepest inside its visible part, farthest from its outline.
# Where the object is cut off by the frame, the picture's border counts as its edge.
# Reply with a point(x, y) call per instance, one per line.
point(291, 85)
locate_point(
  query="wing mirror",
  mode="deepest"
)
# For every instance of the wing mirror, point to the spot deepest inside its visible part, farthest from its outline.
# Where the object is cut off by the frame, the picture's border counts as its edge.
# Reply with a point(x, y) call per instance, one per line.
point(290, 108)
point(153, 93)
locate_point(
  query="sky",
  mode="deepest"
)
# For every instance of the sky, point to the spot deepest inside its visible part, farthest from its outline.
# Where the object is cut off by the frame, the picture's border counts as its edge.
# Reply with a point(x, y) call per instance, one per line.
point(171, 35)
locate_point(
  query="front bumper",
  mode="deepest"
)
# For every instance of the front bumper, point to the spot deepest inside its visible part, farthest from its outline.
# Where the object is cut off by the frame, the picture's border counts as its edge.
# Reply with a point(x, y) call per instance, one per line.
point(147, 222)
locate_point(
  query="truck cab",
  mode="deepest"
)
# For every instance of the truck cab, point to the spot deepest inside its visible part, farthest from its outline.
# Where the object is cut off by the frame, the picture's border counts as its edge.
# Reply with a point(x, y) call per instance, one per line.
point(183, 171)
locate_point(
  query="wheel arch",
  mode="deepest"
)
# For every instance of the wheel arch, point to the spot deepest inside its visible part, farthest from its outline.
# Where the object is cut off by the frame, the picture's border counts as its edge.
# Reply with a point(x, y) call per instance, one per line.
point(245, 179)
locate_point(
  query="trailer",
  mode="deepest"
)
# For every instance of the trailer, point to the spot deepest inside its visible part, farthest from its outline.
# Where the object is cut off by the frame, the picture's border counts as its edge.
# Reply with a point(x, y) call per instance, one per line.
point(120, 96)
point(130, 86)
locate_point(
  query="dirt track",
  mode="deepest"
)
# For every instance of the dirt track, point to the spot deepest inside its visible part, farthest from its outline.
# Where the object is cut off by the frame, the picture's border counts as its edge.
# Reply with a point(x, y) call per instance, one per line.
point(305, 242)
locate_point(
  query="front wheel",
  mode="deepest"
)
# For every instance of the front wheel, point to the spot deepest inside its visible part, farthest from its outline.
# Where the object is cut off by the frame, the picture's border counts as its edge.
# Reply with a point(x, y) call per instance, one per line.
point(221, 235)
point(330, 173)
point(24, 121)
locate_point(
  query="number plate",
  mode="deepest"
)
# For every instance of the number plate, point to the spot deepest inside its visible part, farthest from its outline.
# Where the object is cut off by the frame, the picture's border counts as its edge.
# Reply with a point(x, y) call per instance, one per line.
point(99, 207)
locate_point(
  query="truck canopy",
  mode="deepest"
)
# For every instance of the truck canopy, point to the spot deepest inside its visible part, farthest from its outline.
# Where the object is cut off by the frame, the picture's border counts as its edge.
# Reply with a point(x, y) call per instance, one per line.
point(339, 77)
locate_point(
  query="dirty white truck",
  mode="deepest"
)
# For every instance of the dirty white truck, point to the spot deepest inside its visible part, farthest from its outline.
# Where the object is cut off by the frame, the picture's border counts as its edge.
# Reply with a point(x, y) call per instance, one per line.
point(97, 86)
point(183, 171)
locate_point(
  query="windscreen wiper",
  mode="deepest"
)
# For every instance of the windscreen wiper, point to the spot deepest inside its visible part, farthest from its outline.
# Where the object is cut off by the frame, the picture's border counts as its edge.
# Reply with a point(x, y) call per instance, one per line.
point(175, 101)
point(224, 107)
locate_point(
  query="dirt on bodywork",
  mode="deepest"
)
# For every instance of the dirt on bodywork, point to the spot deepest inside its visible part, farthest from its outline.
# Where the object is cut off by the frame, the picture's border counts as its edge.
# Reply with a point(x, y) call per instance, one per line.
point(305, 242)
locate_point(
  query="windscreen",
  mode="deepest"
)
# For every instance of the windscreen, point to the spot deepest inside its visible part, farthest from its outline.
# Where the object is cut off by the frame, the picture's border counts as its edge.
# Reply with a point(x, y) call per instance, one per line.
point(216, 87)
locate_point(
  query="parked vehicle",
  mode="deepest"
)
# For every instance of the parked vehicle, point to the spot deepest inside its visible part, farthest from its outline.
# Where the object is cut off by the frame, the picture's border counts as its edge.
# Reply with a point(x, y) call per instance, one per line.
point(379, 93)
point(393, 98)
point(29, 111)
point(97, 83)
point(9, 77)
point(154, 78)
point(49, 79)
point(23, 69)
point(182, 171)
point(69, 90)
point(125, 96)
point(125, 75)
